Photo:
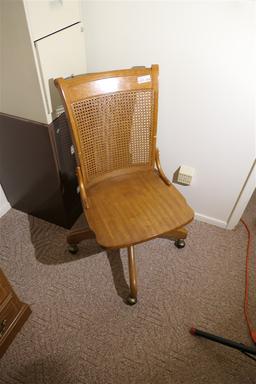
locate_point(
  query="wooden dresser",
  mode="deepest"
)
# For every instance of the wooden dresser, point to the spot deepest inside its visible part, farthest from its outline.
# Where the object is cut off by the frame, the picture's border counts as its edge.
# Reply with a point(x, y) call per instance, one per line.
point(13, 313)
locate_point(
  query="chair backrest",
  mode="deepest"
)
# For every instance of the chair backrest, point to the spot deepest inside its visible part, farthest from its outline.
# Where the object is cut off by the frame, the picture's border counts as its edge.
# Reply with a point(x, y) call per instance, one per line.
point(113, 119)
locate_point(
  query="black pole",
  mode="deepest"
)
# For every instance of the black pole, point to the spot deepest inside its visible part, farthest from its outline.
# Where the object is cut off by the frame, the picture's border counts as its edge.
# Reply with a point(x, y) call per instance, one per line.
point(221, 340)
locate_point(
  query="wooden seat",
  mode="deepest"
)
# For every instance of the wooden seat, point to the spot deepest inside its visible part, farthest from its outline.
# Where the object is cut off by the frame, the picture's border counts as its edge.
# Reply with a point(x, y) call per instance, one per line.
point(126, 196)
point(132, 208)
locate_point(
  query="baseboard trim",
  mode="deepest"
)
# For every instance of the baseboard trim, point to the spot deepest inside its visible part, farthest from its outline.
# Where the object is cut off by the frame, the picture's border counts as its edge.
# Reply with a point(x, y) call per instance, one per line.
point(4, 208)
point(210, 220)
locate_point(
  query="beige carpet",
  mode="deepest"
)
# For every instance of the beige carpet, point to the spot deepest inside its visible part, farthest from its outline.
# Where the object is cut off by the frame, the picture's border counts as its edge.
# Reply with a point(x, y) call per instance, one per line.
point(81, 331)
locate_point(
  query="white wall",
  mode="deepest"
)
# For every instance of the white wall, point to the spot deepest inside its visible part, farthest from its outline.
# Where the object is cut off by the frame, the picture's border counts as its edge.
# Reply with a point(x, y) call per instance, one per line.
point(21, 93)
point(4, 205)
point(244, 198)
point(207, 65)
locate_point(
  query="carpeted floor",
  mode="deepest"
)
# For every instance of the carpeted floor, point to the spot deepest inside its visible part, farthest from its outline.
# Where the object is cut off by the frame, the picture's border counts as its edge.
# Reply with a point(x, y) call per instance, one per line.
point(81, 331)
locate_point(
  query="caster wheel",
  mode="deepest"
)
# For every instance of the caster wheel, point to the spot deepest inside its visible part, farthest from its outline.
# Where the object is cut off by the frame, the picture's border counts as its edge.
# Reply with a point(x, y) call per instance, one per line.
point(131, 300)
point(180, 243)
point(73, 248)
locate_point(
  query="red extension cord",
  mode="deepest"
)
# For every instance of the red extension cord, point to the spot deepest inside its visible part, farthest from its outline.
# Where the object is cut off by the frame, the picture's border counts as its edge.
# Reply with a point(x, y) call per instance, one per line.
point(246, 295)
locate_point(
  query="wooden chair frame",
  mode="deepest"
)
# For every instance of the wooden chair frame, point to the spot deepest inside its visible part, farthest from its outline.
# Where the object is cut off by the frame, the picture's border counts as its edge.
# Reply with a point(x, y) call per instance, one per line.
point(74, 90)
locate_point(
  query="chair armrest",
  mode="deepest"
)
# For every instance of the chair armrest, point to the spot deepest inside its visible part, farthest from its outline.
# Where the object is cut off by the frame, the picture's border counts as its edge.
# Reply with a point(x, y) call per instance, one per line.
point(82, 188)
point(160, 170)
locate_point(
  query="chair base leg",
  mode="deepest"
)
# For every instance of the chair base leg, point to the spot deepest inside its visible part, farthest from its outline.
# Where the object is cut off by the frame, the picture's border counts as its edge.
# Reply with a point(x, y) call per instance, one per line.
point(76, 236)
point(132, 299)
point(178, 236)
point(73, 248)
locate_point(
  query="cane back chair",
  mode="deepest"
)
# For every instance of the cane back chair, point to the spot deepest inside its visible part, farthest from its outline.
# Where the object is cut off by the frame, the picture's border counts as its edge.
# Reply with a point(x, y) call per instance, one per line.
point(126, 197)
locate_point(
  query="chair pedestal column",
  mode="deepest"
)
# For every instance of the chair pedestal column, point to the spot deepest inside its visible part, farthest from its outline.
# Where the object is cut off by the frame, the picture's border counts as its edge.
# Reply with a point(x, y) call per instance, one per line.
point(132, 299)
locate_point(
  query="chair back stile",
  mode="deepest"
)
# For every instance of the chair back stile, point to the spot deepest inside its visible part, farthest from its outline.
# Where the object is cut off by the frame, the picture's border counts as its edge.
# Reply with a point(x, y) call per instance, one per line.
point(113, 120)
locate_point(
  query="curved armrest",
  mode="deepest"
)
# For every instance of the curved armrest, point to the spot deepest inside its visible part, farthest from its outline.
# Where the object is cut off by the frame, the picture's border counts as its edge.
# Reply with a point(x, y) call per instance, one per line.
point(160, 170)
point(82, 188)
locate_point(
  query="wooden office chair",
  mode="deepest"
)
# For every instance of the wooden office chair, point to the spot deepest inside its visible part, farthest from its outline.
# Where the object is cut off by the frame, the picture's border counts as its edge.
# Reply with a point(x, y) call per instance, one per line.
point(126, 197)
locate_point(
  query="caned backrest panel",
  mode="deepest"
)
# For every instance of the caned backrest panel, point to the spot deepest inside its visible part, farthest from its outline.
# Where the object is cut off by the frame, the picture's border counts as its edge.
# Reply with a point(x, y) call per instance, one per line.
point(115, 131)
point(113, 120)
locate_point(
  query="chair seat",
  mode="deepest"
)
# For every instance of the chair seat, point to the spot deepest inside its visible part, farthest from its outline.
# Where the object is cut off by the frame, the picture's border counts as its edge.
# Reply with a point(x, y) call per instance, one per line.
point(132, 208)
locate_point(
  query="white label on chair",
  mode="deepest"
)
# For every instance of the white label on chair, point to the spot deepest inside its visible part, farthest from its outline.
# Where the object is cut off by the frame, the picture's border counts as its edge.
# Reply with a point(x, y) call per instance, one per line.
point(144, 79)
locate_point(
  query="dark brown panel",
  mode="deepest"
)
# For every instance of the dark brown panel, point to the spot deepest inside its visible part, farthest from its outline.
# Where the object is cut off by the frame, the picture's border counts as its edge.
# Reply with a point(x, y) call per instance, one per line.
point(66, 164)
point(36, 171)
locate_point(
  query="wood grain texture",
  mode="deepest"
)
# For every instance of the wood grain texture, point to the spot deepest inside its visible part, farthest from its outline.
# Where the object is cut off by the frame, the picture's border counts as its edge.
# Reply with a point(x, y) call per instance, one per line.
point(132, 272)
point(13, 313)
point(176, 234)
point(160, 169)
point(133, 208)
point(113, 117)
